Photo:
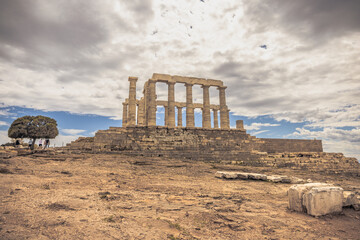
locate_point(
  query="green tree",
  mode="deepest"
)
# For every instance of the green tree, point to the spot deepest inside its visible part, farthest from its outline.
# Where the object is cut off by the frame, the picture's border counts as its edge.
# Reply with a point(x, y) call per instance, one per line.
point(33, 127)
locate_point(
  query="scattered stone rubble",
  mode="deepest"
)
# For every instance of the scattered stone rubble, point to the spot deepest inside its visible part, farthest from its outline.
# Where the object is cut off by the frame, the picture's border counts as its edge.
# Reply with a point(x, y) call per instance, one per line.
point(315, 199)
point(258, 176)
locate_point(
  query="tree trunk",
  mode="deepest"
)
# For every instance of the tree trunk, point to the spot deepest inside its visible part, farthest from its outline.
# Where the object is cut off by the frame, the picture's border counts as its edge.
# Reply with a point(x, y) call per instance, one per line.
point(33, 144)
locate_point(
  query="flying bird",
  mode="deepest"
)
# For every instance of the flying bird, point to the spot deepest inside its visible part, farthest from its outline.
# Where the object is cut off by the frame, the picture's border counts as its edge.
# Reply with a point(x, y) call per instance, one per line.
point(263, 46)
point(202, 1)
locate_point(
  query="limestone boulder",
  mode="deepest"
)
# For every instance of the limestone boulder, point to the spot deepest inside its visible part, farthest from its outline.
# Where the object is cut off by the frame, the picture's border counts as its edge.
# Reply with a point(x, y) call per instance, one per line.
point(274, 178)
point(257, 176)
point(322, 200)
point(230, 175)
point(296, 194)
point(351, 199)
point(219, 174)
point(296, 180)
point(243, 175)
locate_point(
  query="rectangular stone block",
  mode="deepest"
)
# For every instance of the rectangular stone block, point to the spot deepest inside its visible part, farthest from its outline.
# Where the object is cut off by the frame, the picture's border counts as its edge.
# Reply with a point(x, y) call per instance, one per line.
point(257, 176)
point(323, 200)
point(230, 175)
point(274, 178)
point(296, 193)
point(243, 175)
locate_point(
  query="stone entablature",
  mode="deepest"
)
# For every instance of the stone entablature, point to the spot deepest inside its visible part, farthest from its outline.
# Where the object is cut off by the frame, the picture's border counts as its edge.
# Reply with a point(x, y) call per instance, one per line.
point(147, 105)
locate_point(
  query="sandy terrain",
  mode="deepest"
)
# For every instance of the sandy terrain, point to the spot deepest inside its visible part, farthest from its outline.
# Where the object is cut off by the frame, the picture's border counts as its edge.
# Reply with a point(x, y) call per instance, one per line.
point(114, 196)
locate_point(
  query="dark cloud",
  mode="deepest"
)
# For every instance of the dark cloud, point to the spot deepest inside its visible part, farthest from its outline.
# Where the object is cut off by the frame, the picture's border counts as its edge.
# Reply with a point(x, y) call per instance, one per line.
point(22, 26)
point(66, 35)
point(142, 10)
point(318, 20)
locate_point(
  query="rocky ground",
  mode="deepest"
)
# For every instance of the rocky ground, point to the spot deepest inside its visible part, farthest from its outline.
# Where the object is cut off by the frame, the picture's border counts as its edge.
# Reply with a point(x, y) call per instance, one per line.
point(113, 196)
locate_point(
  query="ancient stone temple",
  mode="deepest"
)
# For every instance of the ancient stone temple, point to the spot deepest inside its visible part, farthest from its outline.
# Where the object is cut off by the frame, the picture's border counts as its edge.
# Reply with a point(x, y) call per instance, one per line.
point(147, 105)
point(140, 136)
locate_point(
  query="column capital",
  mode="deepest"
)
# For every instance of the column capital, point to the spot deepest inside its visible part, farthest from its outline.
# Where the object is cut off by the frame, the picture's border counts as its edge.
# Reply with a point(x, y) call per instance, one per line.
point(171, 82)
point(152, 80)
point(133, 79)
point(221, 87)
point(205, 85)
point(189, 84)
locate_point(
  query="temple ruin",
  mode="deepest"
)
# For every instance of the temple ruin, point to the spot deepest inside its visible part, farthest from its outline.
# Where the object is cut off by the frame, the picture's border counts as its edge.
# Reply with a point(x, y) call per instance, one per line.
point(140, 136)
point(145, 108)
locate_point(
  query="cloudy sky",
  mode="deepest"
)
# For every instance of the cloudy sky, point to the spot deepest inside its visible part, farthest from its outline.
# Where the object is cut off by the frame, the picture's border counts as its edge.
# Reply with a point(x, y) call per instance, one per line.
point(291, 67)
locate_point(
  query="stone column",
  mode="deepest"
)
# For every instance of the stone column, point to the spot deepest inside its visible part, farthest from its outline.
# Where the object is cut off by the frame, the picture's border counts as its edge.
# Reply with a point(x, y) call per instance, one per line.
point(141, 114)
point(131, 121)
point(216, 122)
point(224, 112)
point(190, 121)
point(240, 124)
point(179, 112)
point(206, 119)
point(171, 104)
point(146, 102)
point(166, 116)
point(125, 113)
point(152, 103)
point(137, 113)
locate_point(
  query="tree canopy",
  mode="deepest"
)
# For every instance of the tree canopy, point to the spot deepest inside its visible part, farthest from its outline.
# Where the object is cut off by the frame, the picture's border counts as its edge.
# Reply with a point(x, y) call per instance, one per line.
point(33, 127)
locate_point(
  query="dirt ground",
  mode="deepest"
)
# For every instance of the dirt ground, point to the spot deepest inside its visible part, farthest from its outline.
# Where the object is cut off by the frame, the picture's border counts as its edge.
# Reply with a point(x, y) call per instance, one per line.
point(113, 196)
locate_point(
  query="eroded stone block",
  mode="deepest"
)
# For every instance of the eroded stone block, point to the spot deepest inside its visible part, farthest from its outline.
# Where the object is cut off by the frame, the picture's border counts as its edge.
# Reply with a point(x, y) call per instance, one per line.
point(323, 200)
point(230, 175)
point(296, 193)
point(351, 199)
point(257, 176)
point(219, 174)
point(243, 175)
point(274, 178)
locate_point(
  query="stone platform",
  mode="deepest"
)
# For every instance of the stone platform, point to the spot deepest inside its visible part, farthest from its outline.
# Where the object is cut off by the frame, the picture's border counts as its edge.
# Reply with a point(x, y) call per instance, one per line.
point(216, 145)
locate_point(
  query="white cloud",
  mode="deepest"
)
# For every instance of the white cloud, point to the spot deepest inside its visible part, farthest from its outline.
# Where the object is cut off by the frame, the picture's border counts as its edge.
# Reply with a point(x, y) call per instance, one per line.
point(72, 131)
point(336, 134)
point(2, 123)
point(257, 126)
point(4, 137)
point(258, 132)
point(345, 116)
point(335, 140)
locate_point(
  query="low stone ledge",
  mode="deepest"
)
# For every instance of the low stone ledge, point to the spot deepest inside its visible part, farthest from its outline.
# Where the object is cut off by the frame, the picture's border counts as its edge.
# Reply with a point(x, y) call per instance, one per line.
point(258, 176)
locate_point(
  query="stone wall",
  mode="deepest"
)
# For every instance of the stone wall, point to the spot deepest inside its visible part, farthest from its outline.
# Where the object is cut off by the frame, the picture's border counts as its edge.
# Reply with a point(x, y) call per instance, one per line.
point(232, 146)
point(272, 145)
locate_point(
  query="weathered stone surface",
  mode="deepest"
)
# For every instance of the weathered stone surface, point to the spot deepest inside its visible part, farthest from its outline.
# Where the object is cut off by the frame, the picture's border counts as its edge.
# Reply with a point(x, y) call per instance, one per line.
point(219, 174)
point(296, 193)
point(296, 180)
point(257, 176)
point(230, 175)
point(243, 175)
point(274, 178)
point(322, 200)
point(351, 199)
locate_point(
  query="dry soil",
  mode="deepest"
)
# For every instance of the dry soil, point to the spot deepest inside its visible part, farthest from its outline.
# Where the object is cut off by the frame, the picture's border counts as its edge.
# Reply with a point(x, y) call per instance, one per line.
point(112, 196)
